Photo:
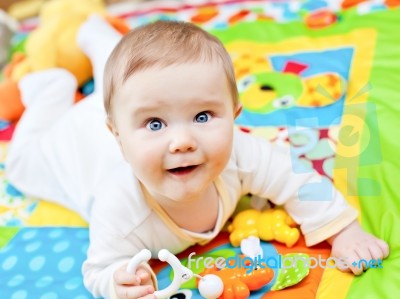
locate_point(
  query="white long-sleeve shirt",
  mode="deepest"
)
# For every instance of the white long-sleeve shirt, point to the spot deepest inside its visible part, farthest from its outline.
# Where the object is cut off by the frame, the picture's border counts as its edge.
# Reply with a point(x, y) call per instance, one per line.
point(66, 154)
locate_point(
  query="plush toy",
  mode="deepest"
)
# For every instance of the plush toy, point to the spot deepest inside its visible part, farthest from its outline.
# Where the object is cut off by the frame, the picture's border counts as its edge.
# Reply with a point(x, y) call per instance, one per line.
point(52, 44)
point(268, 225)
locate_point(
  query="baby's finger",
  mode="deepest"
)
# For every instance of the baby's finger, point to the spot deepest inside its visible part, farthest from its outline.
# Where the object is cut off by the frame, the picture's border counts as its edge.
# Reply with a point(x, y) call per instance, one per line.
point(134, 292)
point(124, 278)
point(376, 251)
point(364, 257)
point(354, 265)
point(149, 296)
point(384, 247)
point(343, 265)
point(144, 276)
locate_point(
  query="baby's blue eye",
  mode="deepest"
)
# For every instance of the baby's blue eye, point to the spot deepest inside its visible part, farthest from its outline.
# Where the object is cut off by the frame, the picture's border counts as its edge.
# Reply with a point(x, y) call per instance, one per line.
point(202, 117)
point(155, 125)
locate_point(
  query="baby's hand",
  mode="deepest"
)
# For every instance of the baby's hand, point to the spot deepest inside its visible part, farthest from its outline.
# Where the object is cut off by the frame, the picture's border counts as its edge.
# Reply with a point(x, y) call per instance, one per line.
point(132, 286)
point(354, 244)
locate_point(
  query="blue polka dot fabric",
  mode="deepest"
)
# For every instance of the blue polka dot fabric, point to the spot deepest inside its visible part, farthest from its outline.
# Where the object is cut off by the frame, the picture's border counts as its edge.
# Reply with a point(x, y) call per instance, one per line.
point(44, 263)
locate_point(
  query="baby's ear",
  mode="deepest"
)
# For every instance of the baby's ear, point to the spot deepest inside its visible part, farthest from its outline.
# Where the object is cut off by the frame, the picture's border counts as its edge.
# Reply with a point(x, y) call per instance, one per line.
point(111, 126)
point(113, 129)
point(238, 109)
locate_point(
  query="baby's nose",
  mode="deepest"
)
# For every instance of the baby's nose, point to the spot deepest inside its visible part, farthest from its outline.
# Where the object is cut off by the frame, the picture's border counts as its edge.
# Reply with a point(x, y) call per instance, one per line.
point(182, 141)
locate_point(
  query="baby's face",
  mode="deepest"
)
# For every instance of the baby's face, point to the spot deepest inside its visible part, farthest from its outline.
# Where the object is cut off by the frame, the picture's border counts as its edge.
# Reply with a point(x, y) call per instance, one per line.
point(175, 127)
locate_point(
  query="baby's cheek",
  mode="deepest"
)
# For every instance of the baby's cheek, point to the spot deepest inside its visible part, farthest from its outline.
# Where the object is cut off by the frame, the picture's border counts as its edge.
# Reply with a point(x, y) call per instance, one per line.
point(221, 155)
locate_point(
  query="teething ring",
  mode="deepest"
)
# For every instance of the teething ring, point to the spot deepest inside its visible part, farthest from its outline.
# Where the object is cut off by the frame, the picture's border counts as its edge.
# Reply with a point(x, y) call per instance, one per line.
point(181, 273)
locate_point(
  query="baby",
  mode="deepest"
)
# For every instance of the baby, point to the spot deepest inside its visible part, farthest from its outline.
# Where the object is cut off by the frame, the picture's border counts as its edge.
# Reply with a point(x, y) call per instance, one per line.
point(170, 169)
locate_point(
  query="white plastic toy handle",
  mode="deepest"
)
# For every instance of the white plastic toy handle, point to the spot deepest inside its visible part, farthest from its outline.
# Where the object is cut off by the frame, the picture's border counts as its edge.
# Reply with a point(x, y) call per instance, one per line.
point(181, 273)
point(142, 256)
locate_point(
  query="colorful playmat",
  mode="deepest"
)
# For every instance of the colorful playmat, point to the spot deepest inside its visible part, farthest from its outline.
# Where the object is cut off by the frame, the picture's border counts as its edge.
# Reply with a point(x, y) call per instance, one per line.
point(320, 77)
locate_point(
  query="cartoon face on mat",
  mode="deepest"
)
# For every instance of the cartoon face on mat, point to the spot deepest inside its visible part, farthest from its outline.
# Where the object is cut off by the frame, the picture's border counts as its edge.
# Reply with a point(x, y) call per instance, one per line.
point(268, 91)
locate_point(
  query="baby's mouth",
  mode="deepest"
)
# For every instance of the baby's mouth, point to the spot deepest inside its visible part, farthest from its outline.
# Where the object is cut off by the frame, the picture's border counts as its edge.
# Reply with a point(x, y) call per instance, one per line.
point(182, 170)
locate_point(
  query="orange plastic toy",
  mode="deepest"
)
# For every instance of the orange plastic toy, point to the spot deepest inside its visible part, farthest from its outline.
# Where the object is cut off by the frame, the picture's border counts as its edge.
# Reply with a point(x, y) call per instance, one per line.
point(238, 283)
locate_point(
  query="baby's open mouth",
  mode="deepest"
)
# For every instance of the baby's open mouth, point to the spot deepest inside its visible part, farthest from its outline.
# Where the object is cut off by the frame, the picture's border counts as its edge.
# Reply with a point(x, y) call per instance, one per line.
point(182, 170)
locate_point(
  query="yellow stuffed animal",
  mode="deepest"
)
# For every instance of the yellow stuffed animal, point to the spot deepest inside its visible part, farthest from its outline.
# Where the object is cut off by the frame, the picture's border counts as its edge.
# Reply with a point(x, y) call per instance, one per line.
point(268, 225)
point(52, 43)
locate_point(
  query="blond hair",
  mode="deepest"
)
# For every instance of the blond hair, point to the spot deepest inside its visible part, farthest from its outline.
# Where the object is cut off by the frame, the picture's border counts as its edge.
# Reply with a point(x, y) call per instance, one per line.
point(161, 44)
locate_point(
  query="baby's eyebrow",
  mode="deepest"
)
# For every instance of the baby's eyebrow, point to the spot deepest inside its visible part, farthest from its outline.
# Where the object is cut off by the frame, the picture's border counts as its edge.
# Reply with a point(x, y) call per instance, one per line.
point(213, 103)
point(196, 104)
point(147, 109)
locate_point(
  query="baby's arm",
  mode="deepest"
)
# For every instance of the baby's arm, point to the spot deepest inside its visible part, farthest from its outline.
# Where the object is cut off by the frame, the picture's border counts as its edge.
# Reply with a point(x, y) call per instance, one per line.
point(354, 244)
point(115, 239)
point(139, 285)
point(319, 209)
point(105, 270)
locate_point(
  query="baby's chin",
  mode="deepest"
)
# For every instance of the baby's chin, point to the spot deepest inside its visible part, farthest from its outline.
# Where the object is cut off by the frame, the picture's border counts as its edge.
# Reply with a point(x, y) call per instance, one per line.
point(185, 193)
point(183, 196)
